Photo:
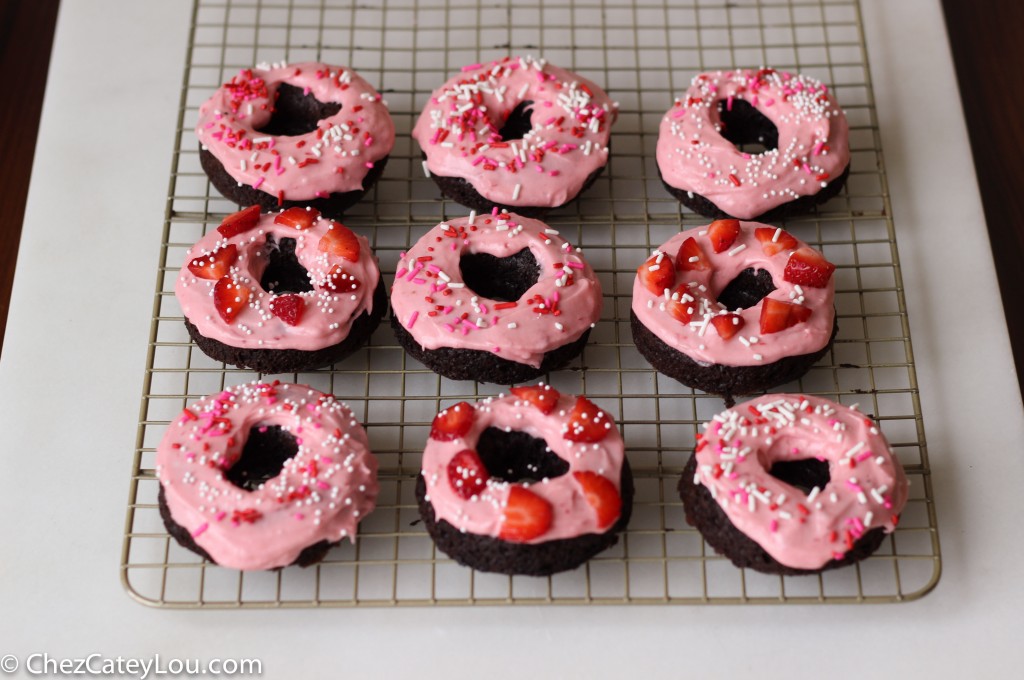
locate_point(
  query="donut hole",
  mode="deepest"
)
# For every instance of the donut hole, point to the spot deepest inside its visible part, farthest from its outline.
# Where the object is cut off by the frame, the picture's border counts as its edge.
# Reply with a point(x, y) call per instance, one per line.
point(517, 457)
point(284, 274)
point(803, 474)
point(504, 279)
point(296, 113)
point(748, 129)
point(518, 122)
point(266, 450)
point(747, 289)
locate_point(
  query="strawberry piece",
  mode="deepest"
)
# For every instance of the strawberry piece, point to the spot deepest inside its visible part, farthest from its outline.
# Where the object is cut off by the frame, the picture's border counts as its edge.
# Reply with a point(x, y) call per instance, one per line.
point(340, 281)
point(340, 242)
point(215, 265)
point(602, 495)
point(777, 315)
point(657, 276)
point(298, 218)
point(808, 267)
point(230, 298)
point(525, 517)
point(765, 235)
point(680, 310)
point(467, 474)
point(723, 234)
point(587, 423)
point(240, 222)
point(544, 397)
point(288, 308)
point(727, 325)
point(453, 422)
point(691, 257)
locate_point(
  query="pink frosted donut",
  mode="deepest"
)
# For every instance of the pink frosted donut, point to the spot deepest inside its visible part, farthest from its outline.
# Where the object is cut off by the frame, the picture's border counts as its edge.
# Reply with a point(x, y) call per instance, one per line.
point(794, 116)
point(530, 483)
point(734, 307)
point(310, 134)
point(280, 292)
point(811, 483)
point(518, 133)
point(264, 475)
point(499, 298)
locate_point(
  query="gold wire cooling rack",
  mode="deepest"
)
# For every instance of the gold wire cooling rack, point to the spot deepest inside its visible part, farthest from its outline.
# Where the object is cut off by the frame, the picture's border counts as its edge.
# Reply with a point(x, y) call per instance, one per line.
point(644, 53)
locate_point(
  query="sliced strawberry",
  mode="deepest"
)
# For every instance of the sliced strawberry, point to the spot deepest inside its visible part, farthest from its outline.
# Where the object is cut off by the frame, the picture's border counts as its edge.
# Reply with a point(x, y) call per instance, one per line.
point(288, 308)
point(771, 244)
point(340, 281)
point(340, 242)
point(298, 218)
point(526, 516)
point(679, 307)
point(727, 325)
point(240, 222)
point(542, 396)
point(808, 267)
point(723, 234)
point(587, 423)
point(657, 276)
point(777, 315)
point(602, 495)
point(230, 298)
point(691, 257)
point(215, 265)
point(453, 422)
point(467, 474)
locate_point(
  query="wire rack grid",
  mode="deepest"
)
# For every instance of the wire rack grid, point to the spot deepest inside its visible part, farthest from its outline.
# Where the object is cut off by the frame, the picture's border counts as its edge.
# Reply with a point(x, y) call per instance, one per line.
point(644, 53)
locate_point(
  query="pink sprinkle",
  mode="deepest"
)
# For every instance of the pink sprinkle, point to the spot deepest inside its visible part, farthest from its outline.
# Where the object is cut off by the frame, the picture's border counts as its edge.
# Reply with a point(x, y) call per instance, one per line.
point(257, 183)
point(478, 160)
point(853, 485)
point(471, 67)
point(418, 281)
point(220, 515)
point(450, 328)
point(497, 349)
point(202, 528)
point(299, 516)
point(554, 173)
point(817, 148)
point(368, 142)
point(401, 272)
point(412, 318)
point(864, 456)
point(679, 113)
point(279, 171)
point(574, 265)
point(322, 485)
point(769, 102)
point(774, 526)
point(306, 90)
point(433, 268)
point(807, 169)
point(728, 103)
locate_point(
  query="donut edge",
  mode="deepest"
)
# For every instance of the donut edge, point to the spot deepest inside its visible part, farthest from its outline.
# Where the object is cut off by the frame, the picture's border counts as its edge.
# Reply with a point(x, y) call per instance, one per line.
point(483, 366)
point(296, 360)
point(334, 206)
point(490, 554)
point(705, 514)
point(725, 381)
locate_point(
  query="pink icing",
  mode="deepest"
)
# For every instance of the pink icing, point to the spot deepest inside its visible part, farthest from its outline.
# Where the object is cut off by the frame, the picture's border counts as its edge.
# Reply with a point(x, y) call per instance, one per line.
point(328, 314)
point(429, 296)
point(699, 339)
point(482, 514)
point(813, 147)
point(867, 489)
point(571, 118)
point(334, 158)
point(320, 494)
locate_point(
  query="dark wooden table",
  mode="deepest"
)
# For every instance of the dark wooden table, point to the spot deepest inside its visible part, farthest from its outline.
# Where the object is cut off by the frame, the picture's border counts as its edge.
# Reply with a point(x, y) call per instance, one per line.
point(988, 51)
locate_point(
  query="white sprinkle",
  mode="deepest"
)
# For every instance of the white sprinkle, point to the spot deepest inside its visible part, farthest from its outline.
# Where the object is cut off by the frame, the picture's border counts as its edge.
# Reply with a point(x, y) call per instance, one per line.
point(515, 192)
point(694, 259)
point(813, 494)
point(444, 277)
point(776, 235)
point(758, 357)
point(738, 249)
point(472, 215)
point(453, 284)
point(511, 325)
point(426, 172)
point(559, 326)
point(868, 517)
